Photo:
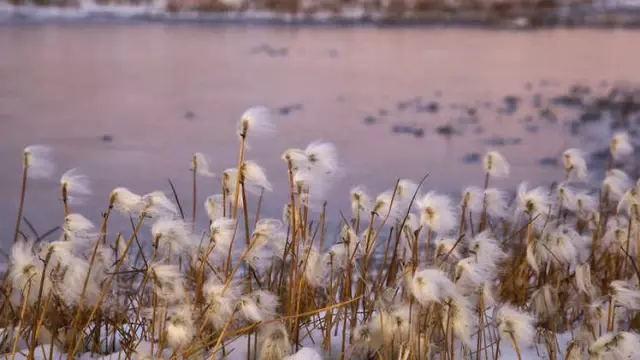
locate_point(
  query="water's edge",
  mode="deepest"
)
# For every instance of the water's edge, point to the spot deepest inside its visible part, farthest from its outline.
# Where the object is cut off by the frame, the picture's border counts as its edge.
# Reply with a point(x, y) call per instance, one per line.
point(573, 17)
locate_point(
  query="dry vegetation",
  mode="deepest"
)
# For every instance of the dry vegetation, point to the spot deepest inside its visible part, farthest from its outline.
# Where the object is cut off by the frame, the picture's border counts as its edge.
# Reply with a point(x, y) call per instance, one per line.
point(412, 274)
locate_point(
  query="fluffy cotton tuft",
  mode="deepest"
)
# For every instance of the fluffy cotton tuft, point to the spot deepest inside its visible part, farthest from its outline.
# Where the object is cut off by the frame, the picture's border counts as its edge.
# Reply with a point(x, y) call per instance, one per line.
point(75, 184)
point(431, 285)
point(255, 178)
point(495, 165)
point(575, 164)
point(437, 212)
point(157, 204)
point(214, 206)
point(360, 202)
point(616, 183)
point(200, 163)
point(620, 146)
point(180, 328)
point(514, 323)
point(256, 121)
point(37, 160)
point(535, 203)
point(275, 344)
point(126, 201)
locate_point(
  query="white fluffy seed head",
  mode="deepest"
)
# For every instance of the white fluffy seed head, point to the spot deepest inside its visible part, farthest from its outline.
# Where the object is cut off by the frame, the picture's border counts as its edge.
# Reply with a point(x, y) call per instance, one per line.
point(255, 178)
point(315, 268)
point(431, 285)
point(256, 121)
point(583, 278)
point(436, 212)
point(200, 164)
point(405, 191)
point(180, 328)
point(514, 323)
point(221, 303)
point(625, 294)
point(360, 202)
point(620, 146)
point(495, 165)
point(126, 201)
point(616, 183)
point(168, 281)
point(37, 160)
point(575, 165)
point(76, 225)
point(221, 234)
point(275, 344)
point(172, 234)
point(457, 312)
point(544, 301)
point(384, 206)
point(214, 206)
point(621, 345)
point(486, 249)
point(534, 203)
point(157, 204)
point(322, 159)
point(75, 183)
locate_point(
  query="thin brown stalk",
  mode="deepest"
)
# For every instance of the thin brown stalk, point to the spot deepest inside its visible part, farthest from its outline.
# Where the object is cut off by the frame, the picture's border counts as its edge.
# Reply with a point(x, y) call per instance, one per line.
point(236, 195)
point(14, 347)
point(23, 192)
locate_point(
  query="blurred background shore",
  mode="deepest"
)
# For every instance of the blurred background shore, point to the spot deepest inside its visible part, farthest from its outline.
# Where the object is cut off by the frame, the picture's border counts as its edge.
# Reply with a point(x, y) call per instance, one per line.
point(486, 13)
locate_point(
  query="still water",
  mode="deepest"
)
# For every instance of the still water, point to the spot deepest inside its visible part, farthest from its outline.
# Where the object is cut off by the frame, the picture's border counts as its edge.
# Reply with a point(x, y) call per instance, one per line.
point(129, 104)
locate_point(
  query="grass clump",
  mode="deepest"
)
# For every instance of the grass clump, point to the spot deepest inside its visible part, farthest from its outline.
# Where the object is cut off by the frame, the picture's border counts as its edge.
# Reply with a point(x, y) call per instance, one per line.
point(412, 274)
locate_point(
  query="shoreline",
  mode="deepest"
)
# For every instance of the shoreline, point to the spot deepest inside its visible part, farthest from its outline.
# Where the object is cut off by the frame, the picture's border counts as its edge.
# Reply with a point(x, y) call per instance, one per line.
point(576, 18)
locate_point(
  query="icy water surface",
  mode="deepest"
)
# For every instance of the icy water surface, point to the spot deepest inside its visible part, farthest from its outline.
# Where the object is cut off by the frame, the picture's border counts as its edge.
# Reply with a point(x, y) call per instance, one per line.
point(129, 104)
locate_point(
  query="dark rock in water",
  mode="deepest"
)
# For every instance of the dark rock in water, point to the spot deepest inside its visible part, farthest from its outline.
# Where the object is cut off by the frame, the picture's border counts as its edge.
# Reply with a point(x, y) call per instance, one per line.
point(472, 111)
point(106, 138)
point(418, 132)
point(370, 120)
point(189, 115)
point(487, 105)
point(511, 103)
point(402, 129)
point(548, 115)
point(297, 106)
point(471, 158)
point(531, 128)
point(404, 105)
point(604, 104)
point(383, 112)
point(537, 101)
point(600, 155)
point(515, 141)
point(432, 107)
point(574, 127)
point(285, 110)
point(496, 141)
point(527, 119)
point(528, 86)
point(591, 115)
point(566, 100)
point(478, 130)
point(548, 161)
point(446, 130)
